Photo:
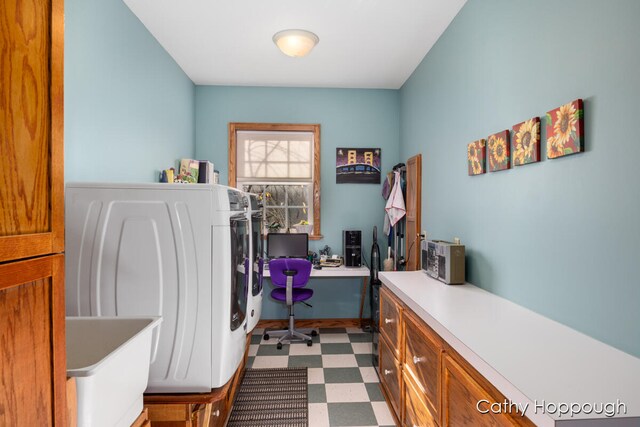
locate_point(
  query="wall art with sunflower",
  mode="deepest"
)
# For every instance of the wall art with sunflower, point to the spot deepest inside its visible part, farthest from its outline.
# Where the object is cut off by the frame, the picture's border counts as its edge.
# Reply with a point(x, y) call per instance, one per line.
point(499, 151)
point(526, 142)
point(565, 130)
point(476, 155)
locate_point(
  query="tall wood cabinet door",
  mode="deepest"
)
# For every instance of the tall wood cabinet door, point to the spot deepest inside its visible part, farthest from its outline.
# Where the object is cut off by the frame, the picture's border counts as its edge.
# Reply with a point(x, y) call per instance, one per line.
point(414, 212)
point(32, 356)
point(31, 128)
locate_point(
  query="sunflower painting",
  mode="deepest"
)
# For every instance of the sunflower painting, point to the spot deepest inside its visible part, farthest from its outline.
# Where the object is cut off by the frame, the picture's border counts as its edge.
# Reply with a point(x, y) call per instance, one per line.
point(526, 142)
point(499, 150)
point(565, 130)
point(476, 154)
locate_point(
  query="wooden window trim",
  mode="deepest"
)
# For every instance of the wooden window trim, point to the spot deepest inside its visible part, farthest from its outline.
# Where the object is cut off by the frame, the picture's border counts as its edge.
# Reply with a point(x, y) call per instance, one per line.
point(282, 127)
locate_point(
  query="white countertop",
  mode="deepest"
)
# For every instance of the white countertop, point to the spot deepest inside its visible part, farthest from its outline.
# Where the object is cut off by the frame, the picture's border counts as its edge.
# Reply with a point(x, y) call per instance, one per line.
point(528, 357)
point(341, 271)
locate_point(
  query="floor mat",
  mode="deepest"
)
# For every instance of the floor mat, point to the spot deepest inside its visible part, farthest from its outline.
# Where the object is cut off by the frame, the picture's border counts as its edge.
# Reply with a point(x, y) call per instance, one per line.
point(274, 397)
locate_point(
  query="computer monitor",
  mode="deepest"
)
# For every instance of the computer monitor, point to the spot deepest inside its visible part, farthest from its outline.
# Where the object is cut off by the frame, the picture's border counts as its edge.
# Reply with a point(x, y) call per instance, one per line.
point(287, 245)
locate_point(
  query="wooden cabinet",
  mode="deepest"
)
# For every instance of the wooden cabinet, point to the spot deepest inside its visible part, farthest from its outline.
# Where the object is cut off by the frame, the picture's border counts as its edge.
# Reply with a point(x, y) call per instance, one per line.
point(31, 131)
point(423, 351)
point(390, 321)
point(390, 346)
point(142, 420)
point(390, 375)
point(463, 387)
point(415, 410)
point(178, 415)
point(32, 358)
point(426, 382)
point(196, 410)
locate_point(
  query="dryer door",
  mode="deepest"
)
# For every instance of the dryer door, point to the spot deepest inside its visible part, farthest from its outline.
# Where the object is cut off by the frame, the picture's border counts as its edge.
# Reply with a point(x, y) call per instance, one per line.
point(239, 268)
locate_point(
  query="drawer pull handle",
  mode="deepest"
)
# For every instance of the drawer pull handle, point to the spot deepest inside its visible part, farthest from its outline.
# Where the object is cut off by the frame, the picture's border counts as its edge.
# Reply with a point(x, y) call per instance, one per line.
point(387, 320)
point(216, 413)
point(417, 359)
point(388, 371)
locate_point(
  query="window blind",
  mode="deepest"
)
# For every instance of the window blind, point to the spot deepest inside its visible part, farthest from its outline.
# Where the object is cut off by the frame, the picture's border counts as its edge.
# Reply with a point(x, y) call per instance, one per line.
point(274, 156)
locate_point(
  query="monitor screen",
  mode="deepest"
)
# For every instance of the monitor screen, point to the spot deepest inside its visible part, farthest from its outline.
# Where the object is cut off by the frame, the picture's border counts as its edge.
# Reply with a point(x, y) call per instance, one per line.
point(284, 245)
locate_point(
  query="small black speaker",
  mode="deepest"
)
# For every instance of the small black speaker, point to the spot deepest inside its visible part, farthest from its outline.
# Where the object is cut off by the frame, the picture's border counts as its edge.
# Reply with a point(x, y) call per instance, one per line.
point(352, 248)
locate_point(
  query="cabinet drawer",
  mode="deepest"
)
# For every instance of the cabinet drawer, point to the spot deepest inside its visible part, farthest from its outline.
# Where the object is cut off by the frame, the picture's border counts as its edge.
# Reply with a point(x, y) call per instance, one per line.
point(176, 415)
point(390, 318)
point(416, 411)
point(461, 394)
point(422, 357)
point(390, 375)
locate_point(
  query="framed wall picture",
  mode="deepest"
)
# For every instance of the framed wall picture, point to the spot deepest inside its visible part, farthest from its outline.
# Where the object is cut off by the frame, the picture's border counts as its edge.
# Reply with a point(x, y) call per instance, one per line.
point(526, 142)
point(358, 165)
point(476, 155)
point(565, 130)
point(499, 151)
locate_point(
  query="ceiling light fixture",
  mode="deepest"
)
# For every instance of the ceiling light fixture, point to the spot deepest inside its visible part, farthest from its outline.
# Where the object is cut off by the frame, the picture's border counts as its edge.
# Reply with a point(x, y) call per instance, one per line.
point(295, 43)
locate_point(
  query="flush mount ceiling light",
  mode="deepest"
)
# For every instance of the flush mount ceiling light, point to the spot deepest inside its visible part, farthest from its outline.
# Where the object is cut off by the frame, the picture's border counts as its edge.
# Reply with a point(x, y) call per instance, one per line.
point(295, 43)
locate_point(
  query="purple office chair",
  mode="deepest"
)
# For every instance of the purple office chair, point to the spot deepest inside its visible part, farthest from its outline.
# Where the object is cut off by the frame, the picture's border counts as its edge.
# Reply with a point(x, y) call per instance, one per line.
point(290, 276)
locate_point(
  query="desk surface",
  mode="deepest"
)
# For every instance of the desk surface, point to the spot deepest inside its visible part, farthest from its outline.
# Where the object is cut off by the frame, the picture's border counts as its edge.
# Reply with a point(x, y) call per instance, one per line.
point(341, 271)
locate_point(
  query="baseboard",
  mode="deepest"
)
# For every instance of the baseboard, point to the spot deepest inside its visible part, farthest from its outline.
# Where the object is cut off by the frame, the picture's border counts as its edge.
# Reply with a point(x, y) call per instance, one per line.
point(311, 323)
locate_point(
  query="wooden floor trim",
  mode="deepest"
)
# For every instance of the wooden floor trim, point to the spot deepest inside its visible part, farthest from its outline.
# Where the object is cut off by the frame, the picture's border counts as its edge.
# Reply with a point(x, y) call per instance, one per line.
point(310, 323)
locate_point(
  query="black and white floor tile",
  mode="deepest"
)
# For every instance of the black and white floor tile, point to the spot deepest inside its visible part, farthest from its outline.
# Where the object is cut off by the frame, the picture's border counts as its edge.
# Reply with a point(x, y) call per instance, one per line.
point(343, 385)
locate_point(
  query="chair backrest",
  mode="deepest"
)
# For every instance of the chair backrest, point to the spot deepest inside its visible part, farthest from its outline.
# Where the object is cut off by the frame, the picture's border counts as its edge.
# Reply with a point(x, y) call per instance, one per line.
point(277, 268)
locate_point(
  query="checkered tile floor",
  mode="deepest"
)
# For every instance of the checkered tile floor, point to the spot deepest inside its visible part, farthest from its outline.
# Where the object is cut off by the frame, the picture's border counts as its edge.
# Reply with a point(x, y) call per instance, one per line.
point(343, 385)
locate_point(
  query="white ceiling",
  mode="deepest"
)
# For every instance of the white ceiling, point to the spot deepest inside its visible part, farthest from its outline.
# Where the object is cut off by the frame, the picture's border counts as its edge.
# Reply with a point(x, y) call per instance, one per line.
point(363, 43)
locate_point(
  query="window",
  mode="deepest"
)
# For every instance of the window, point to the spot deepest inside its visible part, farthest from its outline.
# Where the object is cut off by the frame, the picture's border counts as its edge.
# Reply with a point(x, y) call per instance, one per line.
point(281, 163)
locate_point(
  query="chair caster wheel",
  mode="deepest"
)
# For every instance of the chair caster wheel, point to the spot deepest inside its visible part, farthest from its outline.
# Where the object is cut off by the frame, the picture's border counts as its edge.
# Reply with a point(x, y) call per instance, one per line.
point(314, 333)
point(266, 337)
point(279, 346)
point(309, 343)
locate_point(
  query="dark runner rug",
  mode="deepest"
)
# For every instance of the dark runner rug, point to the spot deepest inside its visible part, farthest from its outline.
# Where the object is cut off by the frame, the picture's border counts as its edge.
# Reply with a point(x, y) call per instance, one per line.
point(270, 398)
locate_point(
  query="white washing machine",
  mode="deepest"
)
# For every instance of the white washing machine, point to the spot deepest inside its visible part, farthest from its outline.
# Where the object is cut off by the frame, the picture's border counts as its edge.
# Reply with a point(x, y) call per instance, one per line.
point(178, 251)
point(254, 302)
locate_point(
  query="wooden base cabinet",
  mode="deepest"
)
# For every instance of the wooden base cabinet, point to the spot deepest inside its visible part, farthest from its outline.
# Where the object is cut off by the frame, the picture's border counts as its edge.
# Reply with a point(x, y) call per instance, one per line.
point(199, 409)
point(423, 354)
point(426, 382)
point(463, 388)
point(461, 396)
point(390, 375)
point(391, 322)
point(415, 410)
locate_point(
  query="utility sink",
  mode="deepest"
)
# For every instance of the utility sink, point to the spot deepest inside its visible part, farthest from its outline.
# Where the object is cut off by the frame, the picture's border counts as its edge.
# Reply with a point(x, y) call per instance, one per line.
point(109, 357)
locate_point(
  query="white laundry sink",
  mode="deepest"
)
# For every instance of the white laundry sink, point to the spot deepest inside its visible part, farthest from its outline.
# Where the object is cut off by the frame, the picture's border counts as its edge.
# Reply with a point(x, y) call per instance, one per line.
point(109, 356)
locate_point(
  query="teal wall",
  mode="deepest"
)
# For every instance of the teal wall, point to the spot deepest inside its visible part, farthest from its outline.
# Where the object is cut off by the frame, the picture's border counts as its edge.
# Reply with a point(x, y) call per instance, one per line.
point(129, 108)
point(347, 118)
point(561, 236)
